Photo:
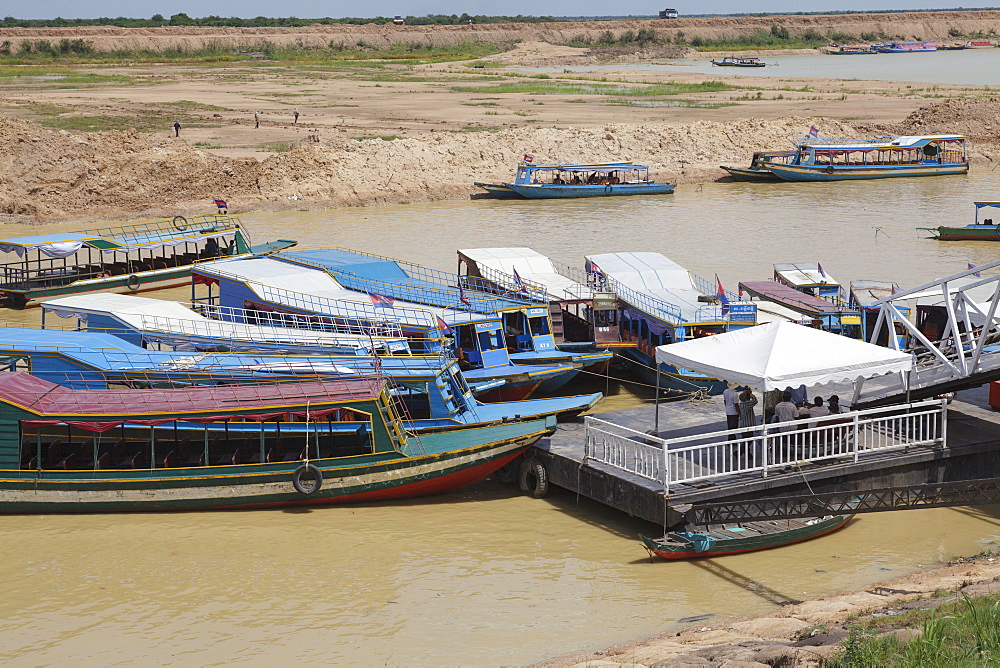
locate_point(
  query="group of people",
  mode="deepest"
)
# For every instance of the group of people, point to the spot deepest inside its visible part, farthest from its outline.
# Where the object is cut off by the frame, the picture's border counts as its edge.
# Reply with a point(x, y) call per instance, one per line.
point(781, 407)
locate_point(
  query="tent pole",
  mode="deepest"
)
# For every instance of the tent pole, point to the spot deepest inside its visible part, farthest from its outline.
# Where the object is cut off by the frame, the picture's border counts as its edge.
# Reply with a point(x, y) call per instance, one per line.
point(656, 401)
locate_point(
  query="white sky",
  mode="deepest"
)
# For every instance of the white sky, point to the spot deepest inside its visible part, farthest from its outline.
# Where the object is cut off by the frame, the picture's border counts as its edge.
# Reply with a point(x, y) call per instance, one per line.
point(337, 9)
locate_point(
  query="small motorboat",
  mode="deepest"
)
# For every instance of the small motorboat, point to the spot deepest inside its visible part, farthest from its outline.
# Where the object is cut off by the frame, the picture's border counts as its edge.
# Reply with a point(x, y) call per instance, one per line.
point(732, 61)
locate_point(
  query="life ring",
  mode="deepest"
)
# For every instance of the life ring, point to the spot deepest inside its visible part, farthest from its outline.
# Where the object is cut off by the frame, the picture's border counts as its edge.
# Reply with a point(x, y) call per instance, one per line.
point(829, 169)
point(306, 489)
point(534, 479)
point(181, 223)
point(607, 189)
point(133, 282)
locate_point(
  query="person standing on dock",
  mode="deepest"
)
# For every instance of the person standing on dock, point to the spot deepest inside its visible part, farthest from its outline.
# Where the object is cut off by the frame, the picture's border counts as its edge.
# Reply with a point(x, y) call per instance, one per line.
point(730, 397)
point(747, 415)
point(771, 399)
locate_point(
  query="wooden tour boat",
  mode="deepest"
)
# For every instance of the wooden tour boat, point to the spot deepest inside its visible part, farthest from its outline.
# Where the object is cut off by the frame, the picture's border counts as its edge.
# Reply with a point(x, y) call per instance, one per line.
point(556, 181)
point(65, 450)
point(719, 540)
point(734, 61)
point(985, 230)
point(852, 158)
point(852, 51)
point(906, 47)
point(757, 170)
point(978, 44)
point(134, 258)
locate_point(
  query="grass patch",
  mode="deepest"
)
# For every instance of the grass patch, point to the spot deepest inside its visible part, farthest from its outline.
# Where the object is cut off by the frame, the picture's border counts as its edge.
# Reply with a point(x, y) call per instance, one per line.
point(151, 120)
point(189, 104)
point(276, 147)
point(559, 88)
point(962, 633)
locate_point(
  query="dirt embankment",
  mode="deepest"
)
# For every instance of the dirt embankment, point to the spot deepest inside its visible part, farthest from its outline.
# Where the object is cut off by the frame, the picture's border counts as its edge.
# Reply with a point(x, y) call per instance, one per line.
point(903, 25)
point(55, 175)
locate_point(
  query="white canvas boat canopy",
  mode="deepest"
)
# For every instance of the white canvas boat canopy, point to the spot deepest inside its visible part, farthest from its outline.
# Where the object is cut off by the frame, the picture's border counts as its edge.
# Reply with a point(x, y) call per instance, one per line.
point(654, 275)
point(64, 245)
point(782, 354)
point(260, 273)
point(803, 274)
point(532, 266)
point(171, 321)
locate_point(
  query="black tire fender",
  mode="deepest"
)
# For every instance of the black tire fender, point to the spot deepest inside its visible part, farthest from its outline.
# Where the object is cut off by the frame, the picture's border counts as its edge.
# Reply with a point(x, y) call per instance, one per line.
point(133, 282)
point(181, 223)
point(509, 472)
point(533, 478)
point(304, 488)
point(829, 169)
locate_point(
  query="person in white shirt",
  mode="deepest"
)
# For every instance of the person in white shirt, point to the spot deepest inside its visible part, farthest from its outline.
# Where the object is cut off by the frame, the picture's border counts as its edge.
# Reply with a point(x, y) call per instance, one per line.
point(786, 412)
point(731, 398)
point(817, 409)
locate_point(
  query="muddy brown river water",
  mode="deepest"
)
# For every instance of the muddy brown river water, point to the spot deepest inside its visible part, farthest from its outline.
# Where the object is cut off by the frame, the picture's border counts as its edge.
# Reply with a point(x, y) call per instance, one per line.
point(484, 576)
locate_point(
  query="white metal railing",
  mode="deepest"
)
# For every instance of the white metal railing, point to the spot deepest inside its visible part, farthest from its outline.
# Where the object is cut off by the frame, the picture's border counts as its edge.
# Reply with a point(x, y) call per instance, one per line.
point(764, 447)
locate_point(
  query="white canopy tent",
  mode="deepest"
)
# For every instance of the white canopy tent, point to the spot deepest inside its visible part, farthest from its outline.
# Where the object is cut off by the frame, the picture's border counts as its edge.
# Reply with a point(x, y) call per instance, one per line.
point(781, 354)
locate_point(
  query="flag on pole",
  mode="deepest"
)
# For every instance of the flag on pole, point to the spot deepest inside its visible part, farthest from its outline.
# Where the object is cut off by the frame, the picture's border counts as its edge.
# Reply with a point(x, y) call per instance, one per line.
point(380, 300)
point(443, 326)
point(720, 292)
point(821, 272)
point(813, 131)
point(461, 296)
point(528, 158)
point(975, 273)
point(594, 269)
point(521, 285)
point(221, 204)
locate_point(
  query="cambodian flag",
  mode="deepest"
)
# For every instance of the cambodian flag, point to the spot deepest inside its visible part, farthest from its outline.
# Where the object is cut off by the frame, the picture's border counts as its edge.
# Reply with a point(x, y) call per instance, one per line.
point(381, 300)
point(528, 158)
point(461, 296)
point(813, 131)
point(221, 203)
point(594, 269)
point(976, 273)
point(821, 272)
point(521, 285)
point(721, 294)
point(443, 326)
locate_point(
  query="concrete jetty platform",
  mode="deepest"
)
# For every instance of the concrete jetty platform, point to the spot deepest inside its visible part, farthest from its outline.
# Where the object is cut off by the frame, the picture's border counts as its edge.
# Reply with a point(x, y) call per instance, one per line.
point(969, 452)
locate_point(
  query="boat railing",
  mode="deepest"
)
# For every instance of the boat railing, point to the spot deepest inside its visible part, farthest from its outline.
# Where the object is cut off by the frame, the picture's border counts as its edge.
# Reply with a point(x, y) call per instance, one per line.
point(587, 282)
point(507, 287)
point(499, 279)
point(842, 141)
point(686, 459)
point(284, 325)
point(657, 308)
point(706, 287)
point(168, 228)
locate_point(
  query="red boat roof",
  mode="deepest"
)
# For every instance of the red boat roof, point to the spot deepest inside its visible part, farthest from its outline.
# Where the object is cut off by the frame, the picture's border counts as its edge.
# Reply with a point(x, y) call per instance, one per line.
point(48, 399)
point(792, 298)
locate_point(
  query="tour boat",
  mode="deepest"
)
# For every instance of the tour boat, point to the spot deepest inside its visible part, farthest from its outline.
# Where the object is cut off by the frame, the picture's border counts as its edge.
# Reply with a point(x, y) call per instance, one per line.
point(978, 44)
point(133, 258)
point(733, 61)
point(852, 51)
point(661, 302)
point(808, 309)
point(557, 180)
point(985, 230)
point(851, 158)
point(757, 171)
point(65, 450)
point(716, 540)
point(811, 279)
point(906, 47)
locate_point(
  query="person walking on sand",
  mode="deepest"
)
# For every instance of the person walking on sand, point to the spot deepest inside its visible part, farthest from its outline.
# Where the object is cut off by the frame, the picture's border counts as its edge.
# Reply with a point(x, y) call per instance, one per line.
point(295, 115)
point(177, 128)
point(256, 120)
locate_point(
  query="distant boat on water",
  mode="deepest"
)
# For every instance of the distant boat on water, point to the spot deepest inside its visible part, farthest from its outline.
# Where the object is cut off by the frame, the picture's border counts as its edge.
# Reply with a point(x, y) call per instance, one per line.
point(980, 230)
point(978, 44)
point(732, 61)
point(906, 47)
point(852, 51)
point(757, 171)
point(557, 181)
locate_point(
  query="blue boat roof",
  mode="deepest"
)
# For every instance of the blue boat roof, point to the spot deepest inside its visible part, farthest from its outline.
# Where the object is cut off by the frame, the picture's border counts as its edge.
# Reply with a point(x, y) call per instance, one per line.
point(393, 280)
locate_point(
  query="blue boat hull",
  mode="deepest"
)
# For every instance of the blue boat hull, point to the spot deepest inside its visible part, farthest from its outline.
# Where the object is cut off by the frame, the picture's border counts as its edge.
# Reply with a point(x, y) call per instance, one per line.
point(550, 191)
point(823, 173)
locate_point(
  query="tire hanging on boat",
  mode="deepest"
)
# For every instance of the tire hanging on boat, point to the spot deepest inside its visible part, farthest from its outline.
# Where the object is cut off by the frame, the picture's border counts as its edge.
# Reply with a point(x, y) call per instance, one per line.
point(181, 223)
point(509, 472)
point(829, 169)
point(303, 487)
point(534, 479)
point(133, 282)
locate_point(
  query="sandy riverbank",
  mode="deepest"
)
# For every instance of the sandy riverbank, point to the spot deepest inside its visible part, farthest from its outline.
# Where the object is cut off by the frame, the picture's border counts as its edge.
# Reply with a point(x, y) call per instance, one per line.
point(803, 634)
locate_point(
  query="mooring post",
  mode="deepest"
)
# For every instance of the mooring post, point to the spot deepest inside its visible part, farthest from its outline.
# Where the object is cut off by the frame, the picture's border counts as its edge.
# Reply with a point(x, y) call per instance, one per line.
point(857, 435)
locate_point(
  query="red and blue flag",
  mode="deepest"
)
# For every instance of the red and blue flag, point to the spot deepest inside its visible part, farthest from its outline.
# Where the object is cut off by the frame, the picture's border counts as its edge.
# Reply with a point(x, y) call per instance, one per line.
point(813, 131)
point(221, 203)
point(521, 285)
point(381, 300)
point(528, 158)
point(443, 326)
point(720, 292)
point(975, 273)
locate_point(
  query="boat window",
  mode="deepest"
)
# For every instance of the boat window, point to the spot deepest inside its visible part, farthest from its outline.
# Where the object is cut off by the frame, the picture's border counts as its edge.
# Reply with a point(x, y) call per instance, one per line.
point(539, 325)
point(490, 340)
point(466, 337)
point(512, 324)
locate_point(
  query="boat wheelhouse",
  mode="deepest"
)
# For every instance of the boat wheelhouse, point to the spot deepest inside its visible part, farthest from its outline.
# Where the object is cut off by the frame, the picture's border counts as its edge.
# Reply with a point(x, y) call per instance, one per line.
point(275, 284)
point(981, 230)
point(584, 315)
point(865, 296)
point(811, 279)
point(68, 450)
point(906, 47)
point(757, 171)
point(132, 258)
point(735, 61)
point(557, 180)
point(813, 311)
point(661, 302)
point(849, 158)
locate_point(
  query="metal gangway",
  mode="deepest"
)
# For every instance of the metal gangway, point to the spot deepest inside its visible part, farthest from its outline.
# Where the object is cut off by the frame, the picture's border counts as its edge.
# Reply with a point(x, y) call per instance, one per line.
point(960, 350)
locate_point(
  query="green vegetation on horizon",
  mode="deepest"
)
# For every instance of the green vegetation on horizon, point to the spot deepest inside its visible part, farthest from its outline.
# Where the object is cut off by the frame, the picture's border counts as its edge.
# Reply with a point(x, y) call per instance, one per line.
point(182, 19)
